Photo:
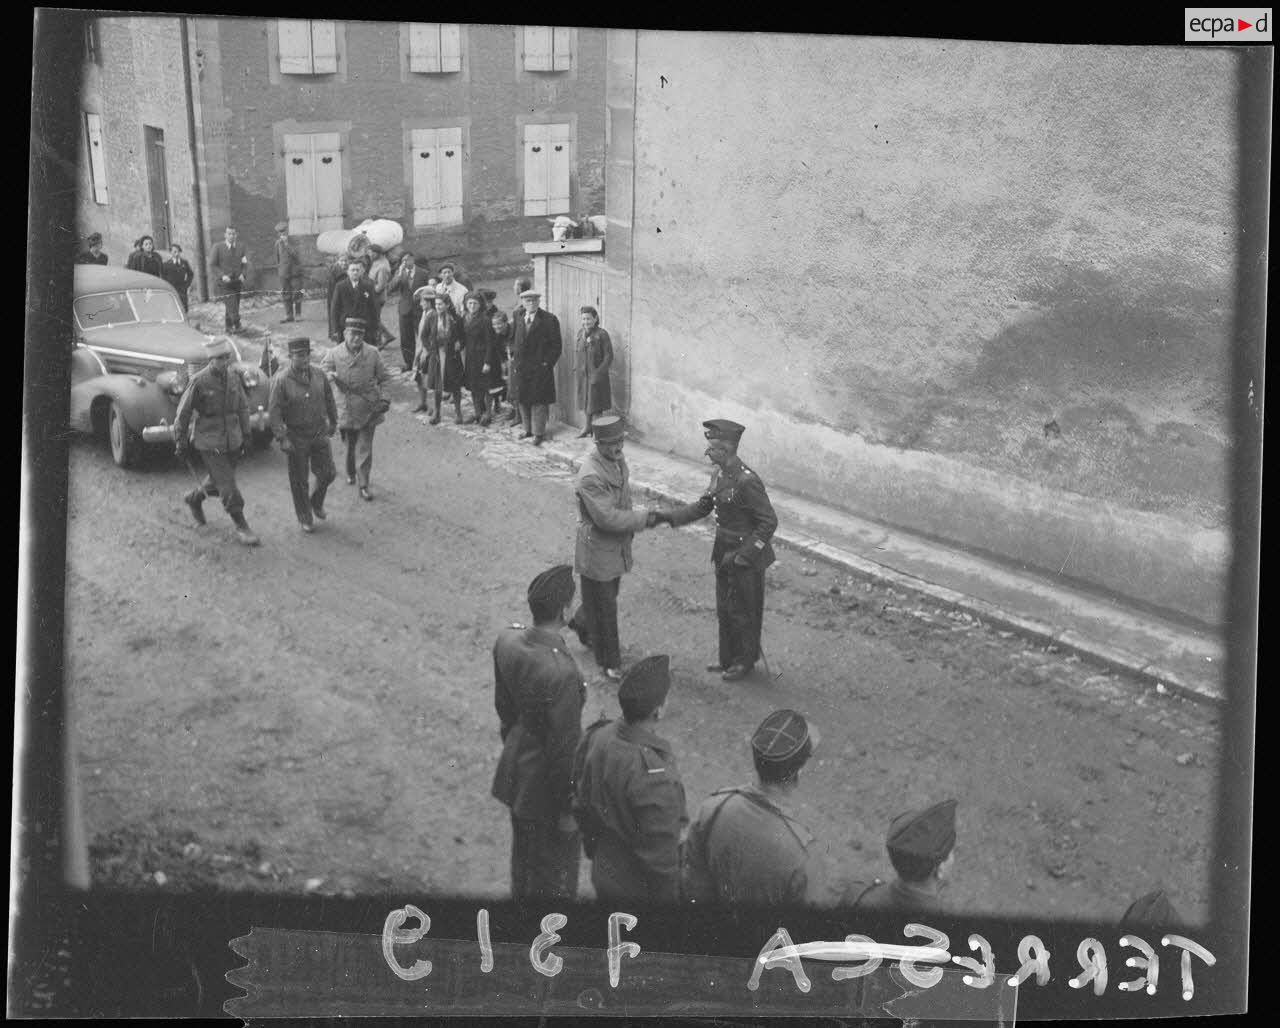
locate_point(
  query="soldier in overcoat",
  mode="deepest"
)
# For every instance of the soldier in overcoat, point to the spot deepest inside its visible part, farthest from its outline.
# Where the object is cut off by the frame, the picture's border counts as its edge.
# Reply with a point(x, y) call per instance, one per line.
point(745, 523)
point(538, 344)
point(602, 555)
point(539, 694)
point(746, 845)
point(628, 795)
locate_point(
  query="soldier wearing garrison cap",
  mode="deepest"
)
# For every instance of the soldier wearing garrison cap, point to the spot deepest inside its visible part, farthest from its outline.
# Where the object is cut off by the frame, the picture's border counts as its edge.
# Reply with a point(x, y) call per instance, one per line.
point(303, 418)
point(920, 845)
point(357, 374)
point(213, 417)
point(629, 798)
point(746, 843)
point(290, 270)
point(539, 693)
point(745, 523)
point(606, 524)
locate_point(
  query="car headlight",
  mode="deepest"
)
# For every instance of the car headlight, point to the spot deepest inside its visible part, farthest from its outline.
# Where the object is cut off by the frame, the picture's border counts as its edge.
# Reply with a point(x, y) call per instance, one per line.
point(172, 381)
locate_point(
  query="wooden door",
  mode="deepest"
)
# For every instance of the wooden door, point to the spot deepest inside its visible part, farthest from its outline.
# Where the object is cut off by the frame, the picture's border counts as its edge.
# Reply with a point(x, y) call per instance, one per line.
point(572, 282)
point(158, 187)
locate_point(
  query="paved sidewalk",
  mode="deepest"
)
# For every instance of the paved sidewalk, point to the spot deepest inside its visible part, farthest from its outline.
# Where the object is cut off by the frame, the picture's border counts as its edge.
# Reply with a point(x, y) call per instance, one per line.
point(1170, 654)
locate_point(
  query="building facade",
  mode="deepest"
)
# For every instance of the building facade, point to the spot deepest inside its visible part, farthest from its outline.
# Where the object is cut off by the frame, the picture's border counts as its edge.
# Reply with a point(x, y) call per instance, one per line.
point(981, 291)
point(470, 136)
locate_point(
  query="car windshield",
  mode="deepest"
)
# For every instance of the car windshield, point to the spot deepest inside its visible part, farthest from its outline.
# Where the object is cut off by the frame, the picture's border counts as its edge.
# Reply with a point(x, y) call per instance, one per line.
point(127, 307)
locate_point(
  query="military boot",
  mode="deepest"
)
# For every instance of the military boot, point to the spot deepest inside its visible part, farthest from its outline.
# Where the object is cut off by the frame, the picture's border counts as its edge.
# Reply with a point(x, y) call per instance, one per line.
point(195, 500)
point(243, 532)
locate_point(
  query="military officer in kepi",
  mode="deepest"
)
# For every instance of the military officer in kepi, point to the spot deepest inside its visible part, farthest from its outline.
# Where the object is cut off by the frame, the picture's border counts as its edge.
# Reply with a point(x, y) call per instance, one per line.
point(539, 694)
point(746, 844)
point(304, 416)
point(745, 523)
point(921, 846)
point(629, 798)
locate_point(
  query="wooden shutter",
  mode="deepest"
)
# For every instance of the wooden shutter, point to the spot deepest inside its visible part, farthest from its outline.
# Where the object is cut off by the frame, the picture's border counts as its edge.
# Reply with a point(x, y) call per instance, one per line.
point(295, 46)
point(97, 157)
point(449, 146)
point(324, 48)
point(425, 161)
point(327, 147)
point(536, 168)
point(537, 48)
point(560, 49)
point(299, 184)
point(450, 47)
point(424, 47)
point(559, 145)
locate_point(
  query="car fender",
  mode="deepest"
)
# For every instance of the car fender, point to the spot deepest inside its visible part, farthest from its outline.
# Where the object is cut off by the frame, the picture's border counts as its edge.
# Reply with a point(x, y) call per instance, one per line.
point(140, 405)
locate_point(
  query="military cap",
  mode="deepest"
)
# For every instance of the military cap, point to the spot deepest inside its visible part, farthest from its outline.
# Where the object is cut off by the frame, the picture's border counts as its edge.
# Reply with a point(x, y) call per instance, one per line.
point(355, 324)
point(531, 293)
point(928, 833)
point(553, 585)
point(784, 741)
point(282, 226)
point(607, 428)
point(299, 344)
point(719, 428)
point(218, 346)
point(1152, 909)
point(646, 683)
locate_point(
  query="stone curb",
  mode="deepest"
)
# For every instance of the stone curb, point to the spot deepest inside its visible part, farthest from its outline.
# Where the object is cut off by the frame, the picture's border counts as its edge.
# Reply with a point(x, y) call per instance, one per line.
point(1066, 639)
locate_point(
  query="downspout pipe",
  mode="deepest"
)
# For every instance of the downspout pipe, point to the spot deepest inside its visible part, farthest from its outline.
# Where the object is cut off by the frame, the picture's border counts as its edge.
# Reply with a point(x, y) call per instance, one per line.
point(202, 271)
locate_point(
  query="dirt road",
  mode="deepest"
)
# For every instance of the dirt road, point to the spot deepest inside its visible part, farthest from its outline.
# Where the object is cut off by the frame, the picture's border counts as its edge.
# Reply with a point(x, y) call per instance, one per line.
point(316, 714)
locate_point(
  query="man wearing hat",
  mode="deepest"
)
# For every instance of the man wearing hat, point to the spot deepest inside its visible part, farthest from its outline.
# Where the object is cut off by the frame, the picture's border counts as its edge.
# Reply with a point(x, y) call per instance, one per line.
point(539, 694)
point(290, 270)
point(409, 280)
point(303, 417)
point(352, 298)
point(358, 374)
point(213, 417)
point(920, 845)
point(93, 253)
point(628, 794)
point(537, 344)
point(228, 264)
point(606, 524)
point(745, 523)
point(746, 844)
point(452, 288)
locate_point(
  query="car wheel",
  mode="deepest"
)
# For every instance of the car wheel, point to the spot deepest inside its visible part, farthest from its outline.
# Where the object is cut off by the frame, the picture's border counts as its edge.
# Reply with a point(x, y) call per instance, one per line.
point(126, 444)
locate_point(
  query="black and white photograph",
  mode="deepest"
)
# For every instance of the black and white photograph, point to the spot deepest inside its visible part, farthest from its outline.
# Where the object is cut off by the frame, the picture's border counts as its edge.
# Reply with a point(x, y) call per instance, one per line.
point(541, 468)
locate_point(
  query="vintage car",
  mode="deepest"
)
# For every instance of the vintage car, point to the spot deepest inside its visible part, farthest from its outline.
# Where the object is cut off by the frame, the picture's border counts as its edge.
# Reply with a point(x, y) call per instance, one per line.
point(134, 354)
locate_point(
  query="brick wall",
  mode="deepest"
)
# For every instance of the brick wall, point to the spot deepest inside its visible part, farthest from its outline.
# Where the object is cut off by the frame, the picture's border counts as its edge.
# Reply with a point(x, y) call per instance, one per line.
point(247, 107)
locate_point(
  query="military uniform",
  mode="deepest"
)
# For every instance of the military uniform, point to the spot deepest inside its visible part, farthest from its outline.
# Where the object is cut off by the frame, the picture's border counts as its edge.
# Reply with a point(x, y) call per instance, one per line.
point(303, 416)
point(745, 523)
point(630, 801)
point(290, 270)
point(358, 378)
point(925, 837)
point(539, 695)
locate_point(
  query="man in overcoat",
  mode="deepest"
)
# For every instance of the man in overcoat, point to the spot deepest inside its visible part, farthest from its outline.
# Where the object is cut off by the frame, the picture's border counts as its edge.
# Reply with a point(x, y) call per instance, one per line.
point(628, 794)
point(358, 375)
point(745, 523)
point(408, 279)
point(213, 417)
point(352, 298)
point(606, 525)
point(539, 694)
point(746, 845)
point(303, 418)
point(228, 264)
point(538, 343)
point(289, 269)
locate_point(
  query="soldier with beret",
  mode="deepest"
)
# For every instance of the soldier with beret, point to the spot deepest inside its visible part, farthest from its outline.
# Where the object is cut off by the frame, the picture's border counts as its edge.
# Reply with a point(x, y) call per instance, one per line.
point(628, 794)
point(213, 417)
point(745, 523)
point(606, 524)
point(290, 270)
point(358, 374)
point(746, 844)
point(539, 694)
point(303, 418)
point(920, 845)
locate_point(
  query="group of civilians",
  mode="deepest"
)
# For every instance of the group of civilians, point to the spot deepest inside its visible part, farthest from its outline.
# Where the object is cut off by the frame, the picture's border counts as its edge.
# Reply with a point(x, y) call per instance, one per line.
point(174, 269)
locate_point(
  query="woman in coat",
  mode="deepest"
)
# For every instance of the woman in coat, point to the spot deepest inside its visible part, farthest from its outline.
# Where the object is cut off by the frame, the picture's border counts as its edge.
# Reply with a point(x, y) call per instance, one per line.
point(592, 359)
point(502, 332)
point(481, 362)
point(440, 352)
point(145, 258)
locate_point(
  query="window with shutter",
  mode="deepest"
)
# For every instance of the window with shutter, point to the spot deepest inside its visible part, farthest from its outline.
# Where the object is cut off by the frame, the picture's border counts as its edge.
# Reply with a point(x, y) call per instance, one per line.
point(313, 182)
point(450, 145)
point(560, 49)
point(436, 160)
point(537, 48)
point(97, 157)
point(558, 169)
point(328, 152)
point(434, 48)
point(324, 47)
point(536, 168)
point(307, 47)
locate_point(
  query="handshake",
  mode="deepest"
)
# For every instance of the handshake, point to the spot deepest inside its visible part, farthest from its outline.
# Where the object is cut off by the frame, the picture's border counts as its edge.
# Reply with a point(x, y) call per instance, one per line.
point(658, 517)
